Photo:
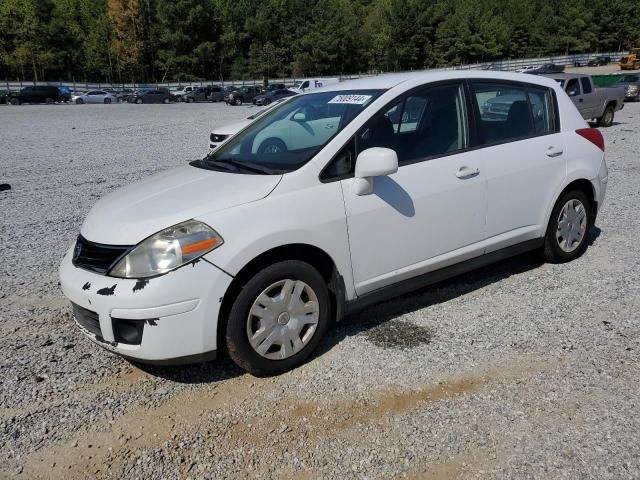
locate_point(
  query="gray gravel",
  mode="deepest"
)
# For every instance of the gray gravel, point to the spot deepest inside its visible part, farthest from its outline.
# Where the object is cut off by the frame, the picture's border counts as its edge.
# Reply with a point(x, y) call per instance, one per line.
point(519, 370)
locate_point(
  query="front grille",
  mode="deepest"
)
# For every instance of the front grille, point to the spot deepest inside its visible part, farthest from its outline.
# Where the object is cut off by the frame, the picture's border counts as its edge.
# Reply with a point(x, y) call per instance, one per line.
point(87, 319)
point(97, 257)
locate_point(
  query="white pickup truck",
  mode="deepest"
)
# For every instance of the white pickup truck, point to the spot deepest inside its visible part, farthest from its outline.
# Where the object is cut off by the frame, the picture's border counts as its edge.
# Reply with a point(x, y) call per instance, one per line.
point(599, 104)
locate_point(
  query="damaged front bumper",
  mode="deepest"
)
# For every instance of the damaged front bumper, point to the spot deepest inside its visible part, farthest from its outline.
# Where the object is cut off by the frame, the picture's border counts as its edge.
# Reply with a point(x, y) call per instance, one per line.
point(169, 319)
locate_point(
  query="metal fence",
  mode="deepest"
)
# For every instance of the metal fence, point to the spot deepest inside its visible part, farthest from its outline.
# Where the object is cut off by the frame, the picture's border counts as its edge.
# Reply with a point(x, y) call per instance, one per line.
point(501, 65)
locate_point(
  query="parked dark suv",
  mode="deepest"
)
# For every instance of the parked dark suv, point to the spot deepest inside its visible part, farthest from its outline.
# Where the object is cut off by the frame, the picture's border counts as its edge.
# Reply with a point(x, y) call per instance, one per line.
point(243, 95)
point(598, 61)
point(36, 94)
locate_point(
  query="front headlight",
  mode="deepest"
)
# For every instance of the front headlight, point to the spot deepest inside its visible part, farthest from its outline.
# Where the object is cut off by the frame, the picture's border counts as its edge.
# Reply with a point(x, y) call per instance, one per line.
point(168, 249)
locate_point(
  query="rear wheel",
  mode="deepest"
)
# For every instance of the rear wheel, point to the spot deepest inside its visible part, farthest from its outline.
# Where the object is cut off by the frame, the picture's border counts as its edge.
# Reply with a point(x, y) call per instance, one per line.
point(14, 101)
point(166, 100)
point(79, 101)
point(107, 101)
point(138, 101)
point(237, 101)
point(49, 101)
point(278, 318)
point(607, 117)
point(569, 225)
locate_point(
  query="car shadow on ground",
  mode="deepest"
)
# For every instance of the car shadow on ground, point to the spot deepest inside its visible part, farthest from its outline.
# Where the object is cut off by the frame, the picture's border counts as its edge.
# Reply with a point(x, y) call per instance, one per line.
point(373, 317)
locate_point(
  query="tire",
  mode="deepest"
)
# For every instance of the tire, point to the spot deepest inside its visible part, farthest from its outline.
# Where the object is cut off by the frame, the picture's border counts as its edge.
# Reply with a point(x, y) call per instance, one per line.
point(48, 101)
point(237, 101)
point(14, 101)
point(139, 101)
point(557, 248)
point(607, 117)
point(166, 101)
point(107, 101)
point(286, 326)
point(266, 101)
point(272, 145)
point(79, 101)
point(189, 100)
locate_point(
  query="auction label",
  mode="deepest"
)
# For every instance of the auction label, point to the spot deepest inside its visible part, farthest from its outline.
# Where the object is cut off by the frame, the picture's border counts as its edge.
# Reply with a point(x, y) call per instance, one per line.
point(351, 99)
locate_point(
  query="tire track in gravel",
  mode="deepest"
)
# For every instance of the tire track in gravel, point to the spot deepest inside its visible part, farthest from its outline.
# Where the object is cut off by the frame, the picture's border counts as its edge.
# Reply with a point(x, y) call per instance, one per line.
point(85, 454)
point(88, 452)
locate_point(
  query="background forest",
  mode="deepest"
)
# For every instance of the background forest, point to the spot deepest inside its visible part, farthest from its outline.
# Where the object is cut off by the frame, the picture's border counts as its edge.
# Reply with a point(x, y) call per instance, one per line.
point(170, 40)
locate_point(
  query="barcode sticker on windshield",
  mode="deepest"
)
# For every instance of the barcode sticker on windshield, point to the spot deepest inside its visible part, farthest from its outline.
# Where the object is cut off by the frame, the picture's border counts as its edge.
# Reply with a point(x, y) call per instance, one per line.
point(351, 99)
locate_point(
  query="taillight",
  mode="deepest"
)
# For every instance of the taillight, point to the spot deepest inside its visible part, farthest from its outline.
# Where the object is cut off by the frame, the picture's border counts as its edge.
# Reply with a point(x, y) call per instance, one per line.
point(593, 135)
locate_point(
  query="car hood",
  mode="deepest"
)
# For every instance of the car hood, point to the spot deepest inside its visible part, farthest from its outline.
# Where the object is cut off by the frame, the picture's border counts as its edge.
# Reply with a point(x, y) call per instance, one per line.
point(133, 213)
point(232, 129)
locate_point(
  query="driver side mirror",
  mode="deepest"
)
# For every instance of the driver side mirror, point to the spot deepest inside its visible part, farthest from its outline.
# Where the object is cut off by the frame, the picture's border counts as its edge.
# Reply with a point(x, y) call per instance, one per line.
point(373, 162)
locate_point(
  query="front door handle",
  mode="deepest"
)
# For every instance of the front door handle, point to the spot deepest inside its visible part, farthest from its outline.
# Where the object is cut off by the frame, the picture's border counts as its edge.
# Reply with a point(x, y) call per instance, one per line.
point(554, 151)
point(467, 172)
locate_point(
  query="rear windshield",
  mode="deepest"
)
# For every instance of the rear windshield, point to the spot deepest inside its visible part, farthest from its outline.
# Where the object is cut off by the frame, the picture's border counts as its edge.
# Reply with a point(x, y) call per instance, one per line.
point(287, 137)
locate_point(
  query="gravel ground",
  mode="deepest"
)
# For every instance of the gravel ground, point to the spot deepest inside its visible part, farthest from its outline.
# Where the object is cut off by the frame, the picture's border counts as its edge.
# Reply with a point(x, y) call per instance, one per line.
point(519, 370)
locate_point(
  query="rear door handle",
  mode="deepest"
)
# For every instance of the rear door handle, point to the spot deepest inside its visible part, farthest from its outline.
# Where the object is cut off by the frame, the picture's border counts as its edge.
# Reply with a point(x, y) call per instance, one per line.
point(554, 151)
point(467, 172)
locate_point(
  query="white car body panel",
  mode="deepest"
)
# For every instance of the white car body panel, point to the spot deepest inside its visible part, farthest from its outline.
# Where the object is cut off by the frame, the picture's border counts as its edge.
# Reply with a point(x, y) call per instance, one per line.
point(451, 212)
point(418, 220)
point(137, 211)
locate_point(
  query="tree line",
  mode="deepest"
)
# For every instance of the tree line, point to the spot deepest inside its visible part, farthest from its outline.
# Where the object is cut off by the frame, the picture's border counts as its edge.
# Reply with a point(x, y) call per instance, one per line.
point(187, 40)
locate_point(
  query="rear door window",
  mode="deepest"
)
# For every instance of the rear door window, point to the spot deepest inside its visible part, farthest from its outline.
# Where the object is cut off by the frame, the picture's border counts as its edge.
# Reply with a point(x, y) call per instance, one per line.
point(510, 111)
point(586, 85)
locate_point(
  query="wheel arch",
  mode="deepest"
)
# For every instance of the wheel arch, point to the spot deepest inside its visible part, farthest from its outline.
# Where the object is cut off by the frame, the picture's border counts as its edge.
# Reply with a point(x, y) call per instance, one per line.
point(307, 253)
point(579, 183)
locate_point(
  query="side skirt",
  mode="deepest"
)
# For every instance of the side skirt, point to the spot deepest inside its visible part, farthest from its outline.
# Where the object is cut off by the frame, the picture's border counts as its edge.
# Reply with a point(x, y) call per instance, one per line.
point(411, 284)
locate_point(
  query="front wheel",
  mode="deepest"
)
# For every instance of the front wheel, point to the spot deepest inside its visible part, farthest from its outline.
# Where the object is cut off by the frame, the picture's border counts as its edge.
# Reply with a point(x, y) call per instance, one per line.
point(79, 101)
point(14, 101)
point(237, 101)
point(272, 145)
point(165, 101)
point(569, 225)
point(278, 318)
point(107, 101)
point(49, 101)
point(138, 101)
point(607, 117)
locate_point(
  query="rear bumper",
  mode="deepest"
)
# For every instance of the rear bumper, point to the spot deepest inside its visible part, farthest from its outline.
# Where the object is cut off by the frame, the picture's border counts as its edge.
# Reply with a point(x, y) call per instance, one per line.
point(167, 320)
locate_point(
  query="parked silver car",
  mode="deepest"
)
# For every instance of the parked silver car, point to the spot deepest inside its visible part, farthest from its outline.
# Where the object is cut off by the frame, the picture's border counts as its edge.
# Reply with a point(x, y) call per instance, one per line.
point(94, 96)
point(631, 84)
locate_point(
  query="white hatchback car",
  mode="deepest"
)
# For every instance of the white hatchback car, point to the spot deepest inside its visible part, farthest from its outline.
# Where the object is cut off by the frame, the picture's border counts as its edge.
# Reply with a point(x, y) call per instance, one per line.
point(368, 189)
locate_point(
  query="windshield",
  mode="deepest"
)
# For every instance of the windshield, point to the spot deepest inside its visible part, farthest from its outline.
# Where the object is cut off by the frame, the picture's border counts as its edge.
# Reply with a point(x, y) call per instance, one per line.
point(289, 135)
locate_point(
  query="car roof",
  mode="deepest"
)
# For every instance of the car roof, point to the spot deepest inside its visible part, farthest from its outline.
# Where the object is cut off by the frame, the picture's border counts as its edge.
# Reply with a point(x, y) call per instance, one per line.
point(389, 81)
point(564, 76)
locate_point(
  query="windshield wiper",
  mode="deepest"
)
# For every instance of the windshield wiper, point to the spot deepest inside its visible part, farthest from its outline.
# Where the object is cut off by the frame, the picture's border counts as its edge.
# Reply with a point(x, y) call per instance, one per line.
point(249, 166)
